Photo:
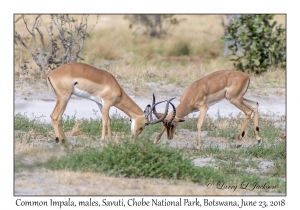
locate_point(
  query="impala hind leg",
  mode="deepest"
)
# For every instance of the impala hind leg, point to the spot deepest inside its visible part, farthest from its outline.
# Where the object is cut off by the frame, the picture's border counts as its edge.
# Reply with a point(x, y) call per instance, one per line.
point(56, 116)
point(199, 124)
point(254, 106)
point(248, 111)
point(106, 122)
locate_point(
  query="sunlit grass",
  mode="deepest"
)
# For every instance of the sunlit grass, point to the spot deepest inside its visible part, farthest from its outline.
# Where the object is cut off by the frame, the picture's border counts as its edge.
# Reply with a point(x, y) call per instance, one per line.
point(190, 51)
point(142, 158)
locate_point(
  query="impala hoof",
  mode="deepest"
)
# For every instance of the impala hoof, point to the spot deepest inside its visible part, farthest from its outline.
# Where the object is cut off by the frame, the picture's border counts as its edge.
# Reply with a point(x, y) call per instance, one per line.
point(259, 141)
point(56, 139)
point(238, 146)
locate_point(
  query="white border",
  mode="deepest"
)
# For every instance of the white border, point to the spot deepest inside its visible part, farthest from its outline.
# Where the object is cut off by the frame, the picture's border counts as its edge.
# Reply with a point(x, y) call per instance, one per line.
point(154, 6)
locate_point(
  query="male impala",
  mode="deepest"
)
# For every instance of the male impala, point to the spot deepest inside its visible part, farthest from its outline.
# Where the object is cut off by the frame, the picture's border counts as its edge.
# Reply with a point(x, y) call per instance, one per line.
point(229, 84)
point(101, 87)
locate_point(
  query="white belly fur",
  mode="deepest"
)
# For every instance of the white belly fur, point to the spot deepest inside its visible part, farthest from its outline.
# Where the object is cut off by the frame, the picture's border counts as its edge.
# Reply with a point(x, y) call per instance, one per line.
point(215, 98)
point(82, 93)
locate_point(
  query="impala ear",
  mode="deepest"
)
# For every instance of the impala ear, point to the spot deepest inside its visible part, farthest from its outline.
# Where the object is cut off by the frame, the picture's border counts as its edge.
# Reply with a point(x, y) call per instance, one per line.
point(147, 111)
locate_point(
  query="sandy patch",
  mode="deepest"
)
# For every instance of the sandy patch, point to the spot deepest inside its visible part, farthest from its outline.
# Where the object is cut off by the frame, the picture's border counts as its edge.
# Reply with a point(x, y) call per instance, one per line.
point(78, 183)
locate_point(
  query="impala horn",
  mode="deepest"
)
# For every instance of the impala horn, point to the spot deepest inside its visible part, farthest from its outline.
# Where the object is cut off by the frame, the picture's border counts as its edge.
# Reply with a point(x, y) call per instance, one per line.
point(149, 109)
point(166, 111)
point(153, 107)
point(174, 113)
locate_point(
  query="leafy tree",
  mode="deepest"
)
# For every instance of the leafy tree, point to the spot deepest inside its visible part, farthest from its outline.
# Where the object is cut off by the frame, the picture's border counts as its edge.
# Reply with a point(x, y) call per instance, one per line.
point(66, 40)
point(255, 43)
point(152, 25)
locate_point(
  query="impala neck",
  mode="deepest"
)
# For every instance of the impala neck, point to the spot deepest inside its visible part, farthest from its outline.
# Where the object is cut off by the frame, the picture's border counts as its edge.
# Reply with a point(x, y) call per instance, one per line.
point(128, 106)
point(182, 110)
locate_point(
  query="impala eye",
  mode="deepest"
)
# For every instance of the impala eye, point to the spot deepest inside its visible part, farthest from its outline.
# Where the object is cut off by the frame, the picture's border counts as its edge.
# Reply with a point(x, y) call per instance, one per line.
point(172, 126)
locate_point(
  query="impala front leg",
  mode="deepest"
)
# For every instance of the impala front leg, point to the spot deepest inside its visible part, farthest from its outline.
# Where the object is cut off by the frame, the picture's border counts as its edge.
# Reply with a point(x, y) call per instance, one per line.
point(159, 135)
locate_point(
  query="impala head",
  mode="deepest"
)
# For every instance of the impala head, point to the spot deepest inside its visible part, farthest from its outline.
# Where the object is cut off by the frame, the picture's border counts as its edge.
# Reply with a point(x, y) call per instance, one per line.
point(170, 121)
point(138, 124)
point(171, 126)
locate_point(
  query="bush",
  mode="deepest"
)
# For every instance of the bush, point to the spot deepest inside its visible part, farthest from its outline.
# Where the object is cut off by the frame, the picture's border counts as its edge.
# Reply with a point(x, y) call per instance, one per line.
point(263, 45)
point(65, 39)
point(24, 123)
point(152, 25)
point(141, 158)
point(180, 48)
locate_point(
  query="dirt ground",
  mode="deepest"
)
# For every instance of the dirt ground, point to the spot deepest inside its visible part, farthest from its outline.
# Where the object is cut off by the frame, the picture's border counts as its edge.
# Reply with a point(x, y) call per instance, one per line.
point(44, 182)
point(35, 98)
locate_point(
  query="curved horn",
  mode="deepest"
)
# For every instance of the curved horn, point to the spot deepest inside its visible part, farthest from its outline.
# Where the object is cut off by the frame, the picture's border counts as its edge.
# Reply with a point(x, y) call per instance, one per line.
point(148, 112)
point(174, 113)
point(153, 107)
point(165, 114)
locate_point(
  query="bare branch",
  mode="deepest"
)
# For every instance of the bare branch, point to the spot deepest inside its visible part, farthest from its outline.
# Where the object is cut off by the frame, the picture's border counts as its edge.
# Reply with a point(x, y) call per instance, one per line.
point(66, 40)
point(41, 35)
point(25, 21)
point(28, 48)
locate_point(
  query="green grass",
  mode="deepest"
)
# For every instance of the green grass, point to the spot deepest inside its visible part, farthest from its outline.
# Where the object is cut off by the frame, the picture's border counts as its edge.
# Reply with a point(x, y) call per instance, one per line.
point(142, 158)
point(93, 126)
point(36, 124)
point(229, 127)
point(275, 152)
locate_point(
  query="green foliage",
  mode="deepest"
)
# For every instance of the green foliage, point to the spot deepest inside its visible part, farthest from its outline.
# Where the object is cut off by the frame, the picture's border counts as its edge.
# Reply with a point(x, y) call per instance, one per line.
point(263, 45)
point(141, 158)
point(24, 123)
point(152, 25)
point(94, 126)
point(229, 127)
point(276, 151)
point(180, 48)
point(68, 122)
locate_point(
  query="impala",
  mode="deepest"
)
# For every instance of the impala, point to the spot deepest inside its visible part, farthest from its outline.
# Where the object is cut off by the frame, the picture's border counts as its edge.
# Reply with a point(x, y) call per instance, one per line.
point(229, 84)
point(101, 87)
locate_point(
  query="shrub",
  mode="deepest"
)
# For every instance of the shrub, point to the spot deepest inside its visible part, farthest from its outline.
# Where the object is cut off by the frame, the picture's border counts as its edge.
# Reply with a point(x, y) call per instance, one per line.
point(180, 48)
point(263, 45)
point(141, 158)
point(152, 25)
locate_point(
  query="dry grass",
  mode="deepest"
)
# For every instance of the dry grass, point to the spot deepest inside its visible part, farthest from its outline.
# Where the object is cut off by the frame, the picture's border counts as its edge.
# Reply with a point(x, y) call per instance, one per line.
point(34, 145)
point(272, 78)
point(79, 183)
point(33, 150)
point(113, 46)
